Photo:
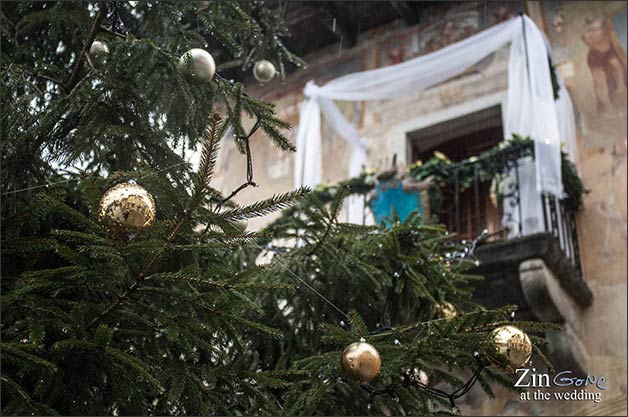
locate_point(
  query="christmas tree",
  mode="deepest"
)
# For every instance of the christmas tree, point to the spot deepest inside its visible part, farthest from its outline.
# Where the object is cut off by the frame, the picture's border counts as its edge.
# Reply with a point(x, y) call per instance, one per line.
point(146, 298)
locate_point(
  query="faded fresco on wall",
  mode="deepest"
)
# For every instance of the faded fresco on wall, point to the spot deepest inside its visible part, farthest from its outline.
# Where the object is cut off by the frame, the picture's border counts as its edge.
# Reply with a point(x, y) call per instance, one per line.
point(589, 43)
point(452, 23)
point(453, 28)
point(398, 49)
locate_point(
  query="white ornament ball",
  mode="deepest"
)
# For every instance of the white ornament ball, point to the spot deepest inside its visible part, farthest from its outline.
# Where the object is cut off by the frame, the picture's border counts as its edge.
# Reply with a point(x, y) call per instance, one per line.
point(198, 65)
point(98, 52)
point(264, 71)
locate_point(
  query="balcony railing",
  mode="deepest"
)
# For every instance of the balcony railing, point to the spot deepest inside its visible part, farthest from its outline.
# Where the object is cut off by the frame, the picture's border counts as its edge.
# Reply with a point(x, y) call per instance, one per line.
point(468, 204)
point(466, 212)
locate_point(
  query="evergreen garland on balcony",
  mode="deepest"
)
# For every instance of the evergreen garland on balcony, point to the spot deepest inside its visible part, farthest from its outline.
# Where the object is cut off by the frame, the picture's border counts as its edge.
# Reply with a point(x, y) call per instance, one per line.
point(441, 169)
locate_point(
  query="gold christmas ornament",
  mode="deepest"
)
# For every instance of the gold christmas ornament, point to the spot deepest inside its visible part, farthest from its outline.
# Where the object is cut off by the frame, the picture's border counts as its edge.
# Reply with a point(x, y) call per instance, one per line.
point(98, 52)
point(127, 208)
point(204, 5)
point(511, 348)
point(197, 65)
point(360, 362)
point(264, 71)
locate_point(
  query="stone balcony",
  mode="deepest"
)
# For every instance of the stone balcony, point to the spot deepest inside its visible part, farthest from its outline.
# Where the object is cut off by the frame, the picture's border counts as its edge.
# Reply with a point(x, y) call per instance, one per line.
point(534, 273)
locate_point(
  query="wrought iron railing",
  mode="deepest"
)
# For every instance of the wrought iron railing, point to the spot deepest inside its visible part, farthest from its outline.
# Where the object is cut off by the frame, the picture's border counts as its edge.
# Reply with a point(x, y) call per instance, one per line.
point(561, 224)
point(466, 213)
point(466, 205)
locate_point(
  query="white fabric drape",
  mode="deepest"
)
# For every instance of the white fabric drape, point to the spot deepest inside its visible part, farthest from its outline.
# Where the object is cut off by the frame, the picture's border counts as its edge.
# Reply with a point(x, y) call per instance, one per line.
point(529, 206)
point(531, 109)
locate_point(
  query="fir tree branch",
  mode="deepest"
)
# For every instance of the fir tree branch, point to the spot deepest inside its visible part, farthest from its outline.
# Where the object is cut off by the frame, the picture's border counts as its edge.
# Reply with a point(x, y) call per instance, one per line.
point(229, 64)
point(36, 75)
point(142, 276)
point(118, 34)
point(208, 159)
point(330, 224)
point(16, 388)
point(249, 172)
point(267, 206)
point(88, 43)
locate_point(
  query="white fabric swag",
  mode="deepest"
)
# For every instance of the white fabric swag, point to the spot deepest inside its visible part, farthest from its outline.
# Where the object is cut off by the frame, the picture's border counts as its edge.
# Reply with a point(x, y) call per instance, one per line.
point(531, 108)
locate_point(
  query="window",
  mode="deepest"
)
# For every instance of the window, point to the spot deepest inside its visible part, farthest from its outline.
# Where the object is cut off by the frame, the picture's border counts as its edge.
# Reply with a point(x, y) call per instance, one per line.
point(459, 139)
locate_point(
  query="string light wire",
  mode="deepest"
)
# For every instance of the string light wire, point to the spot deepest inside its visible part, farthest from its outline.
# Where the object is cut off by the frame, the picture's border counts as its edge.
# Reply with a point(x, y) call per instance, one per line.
point(345, 315)
point(76, 179)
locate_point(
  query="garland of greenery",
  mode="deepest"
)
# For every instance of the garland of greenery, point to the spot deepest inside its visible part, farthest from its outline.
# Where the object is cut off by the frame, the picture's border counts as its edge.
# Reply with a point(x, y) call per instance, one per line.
point(487, 165)
point(441, 169)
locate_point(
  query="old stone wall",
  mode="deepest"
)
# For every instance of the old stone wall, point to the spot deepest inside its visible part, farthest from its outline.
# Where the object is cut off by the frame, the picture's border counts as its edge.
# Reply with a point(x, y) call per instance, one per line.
point(589, 43)
point(589, 46)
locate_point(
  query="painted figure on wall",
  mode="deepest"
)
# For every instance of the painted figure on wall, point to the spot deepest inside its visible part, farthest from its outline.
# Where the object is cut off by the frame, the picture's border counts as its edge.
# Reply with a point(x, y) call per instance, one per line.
point(503, 12)
point(606, 60)
point(396, 55)
point(451, 31)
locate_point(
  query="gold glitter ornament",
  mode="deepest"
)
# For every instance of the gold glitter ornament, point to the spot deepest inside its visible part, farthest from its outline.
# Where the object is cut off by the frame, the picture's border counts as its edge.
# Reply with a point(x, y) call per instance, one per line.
point(511, 348)
point(127, 208)
point(360, 362)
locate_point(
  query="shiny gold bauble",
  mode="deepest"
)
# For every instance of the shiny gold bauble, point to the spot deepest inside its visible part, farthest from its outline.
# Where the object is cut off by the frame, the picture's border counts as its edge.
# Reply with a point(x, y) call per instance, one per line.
point(197, 65)
point(360, 362)
point(510, 348)
point(127, 208)
point(264, 71)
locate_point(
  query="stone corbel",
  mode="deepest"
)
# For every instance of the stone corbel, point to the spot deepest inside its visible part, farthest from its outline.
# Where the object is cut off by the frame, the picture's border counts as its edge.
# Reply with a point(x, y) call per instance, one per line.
point(551, 302)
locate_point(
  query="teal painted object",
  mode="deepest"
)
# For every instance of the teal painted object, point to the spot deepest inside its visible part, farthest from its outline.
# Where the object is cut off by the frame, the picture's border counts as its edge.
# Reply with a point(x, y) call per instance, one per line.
point(392, 199)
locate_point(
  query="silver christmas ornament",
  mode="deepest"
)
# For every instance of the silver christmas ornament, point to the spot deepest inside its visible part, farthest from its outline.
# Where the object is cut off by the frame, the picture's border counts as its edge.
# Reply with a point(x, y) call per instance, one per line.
point(197, 65)
point(98, 52)
point(264, 71)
